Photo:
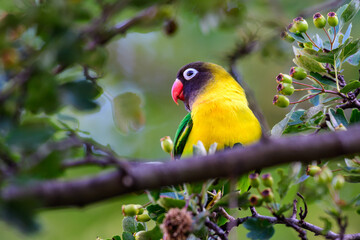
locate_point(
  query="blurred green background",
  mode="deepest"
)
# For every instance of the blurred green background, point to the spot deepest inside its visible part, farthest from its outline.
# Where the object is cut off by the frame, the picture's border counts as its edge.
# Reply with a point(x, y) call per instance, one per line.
point(146, 64)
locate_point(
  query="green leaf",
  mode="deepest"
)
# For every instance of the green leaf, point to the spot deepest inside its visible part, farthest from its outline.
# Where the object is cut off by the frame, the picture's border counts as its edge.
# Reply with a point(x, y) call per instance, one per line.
point(310, 64)
point(129, 224)
point(298, 37)
point(324, 79)
point(259, 229)
point(168, 203)
point(284, 208)
point(30, 135)
point(154, 234)
point(351, 49)
point(80, 94)
point(242, 199)
point(280, 127)
point(338, 117)
point(354, 59)
point(49, 167)
point(117, 237)
point(352, 178)
point(327, 224)
point(127, 112)
point(156, 212)
point(355, 116)
point(127, 236)
point(353, 84)
point(349, 12)
point(320, 56)
point(296, 117)
point(284, 183)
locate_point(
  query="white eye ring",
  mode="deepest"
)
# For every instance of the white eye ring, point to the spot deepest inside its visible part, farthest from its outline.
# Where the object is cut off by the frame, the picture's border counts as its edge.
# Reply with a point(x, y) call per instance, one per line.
point(190, 73)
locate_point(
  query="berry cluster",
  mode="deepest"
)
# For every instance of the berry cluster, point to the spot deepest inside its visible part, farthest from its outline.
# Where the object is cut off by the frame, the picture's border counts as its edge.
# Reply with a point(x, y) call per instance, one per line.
point(285, 82)
point(266, 196)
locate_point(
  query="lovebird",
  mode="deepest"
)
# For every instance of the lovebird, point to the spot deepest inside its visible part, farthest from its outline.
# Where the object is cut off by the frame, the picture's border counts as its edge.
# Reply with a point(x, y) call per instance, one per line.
point(218, 110)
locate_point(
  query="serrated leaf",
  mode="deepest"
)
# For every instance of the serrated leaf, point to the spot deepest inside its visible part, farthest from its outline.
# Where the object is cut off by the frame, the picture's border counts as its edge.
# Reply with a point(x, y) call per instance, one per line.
point(296, 117)
point(129, 225)
point(353, 84)
point(354, 59)
point(351, 48)
point(280, 127)
point(310, 64)
point(320, 56)
point(338, 117)
point(347, 33)
point(355, 116)
point(349, 13)
point(324, 79)
point(259, 229)
point(156, 212)
point(127, 112)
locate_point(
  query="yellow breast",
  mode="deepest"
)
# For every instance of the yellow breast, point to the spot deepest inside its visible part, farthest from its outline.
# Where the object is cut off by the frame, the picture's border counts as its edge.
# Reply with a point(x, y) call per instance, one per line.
point(221, 114)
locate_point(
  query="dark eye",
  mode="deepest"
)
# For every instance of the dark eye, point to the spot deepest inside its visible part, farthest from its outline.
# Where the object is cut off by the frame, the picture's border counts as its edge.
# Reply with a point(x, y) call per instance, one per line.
point(190, 73)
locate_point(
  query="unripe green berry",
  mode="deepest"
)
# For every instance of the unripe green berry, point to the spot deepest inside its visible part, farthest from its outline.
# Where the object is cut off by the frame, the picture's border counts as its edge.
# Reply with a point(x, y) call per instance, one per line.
point(166, 144)
point(285, 88)
point(281, 101)
point(255, 200)
point(325, 175)
point(286, 36)
point(298, 73)
point(254, 180)
point(141, 235)
point(332, 19)
point(338, 182)
point(129, 210)
point(283, 78)
point(267, 180)
point(301, 24)
point(319, 20)
point(291, 28)
point(313, 170)
point(267, 195)
point(144, 217)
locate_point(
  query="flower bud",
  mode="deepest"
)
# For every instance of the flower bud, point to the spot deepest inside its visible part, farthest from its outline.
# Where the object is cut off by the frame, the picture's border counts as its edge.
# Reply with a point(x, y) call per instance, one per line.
point(298, 73)
point(283, 78)
point(313, 170)
point(319, 20)
point(166, 144)
point(301, 24)
point(267, 195)
point(255, 200)
point(286, 36)
point(132, 209)
point(144, 217)
point(291, 28)
point(281, 101)
point(338, 182)
point(285, 88)
point(325, 175)
point(267, 180)
point(332, 19)
point(254, 180)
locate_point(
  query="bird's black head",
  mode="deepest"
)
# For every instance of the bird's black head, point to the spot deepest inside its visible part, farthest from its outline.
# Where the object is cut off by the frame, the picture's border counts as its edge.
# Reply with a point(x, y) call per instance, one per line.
point(190, 81)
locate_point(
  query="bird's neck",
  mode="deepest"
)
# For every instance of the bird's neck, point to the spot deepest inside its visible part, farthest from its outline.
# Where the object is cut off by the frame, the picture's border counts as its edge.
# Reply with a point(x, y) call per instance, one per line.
point(224, 92)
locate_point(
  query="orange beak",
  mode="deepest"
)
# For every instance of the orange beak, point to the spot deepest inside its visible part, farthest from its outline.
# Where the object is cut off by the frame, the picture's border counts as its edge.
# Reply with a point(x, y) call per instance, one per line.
point(177, 91)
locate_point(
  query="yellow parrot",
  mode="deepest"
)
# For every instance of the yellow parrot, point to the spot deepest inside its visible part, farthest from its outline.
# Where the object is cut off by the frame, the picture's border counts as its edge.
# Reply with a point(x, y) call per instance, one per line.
point(218, 110)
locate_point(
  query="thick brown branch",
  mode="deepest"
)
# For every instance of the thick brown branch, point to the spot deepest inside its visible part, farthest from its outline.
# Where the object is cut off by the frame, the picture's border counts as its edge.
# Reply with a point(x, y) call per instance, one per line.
point(266, 153)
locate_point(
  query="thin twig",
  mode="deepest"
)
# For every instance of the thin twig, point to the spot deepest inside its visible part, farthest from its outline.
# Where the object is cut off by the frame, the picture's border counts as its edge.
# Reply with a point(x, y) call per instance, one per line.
point(218, 230)
point(302, 214)
point(312, 41)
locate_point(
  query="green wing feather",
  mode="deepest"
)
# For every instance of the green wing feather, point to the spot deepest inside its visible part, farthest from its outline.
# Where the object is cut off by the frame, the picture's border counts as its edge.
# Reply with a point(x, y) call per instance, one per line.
point(182, 135)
